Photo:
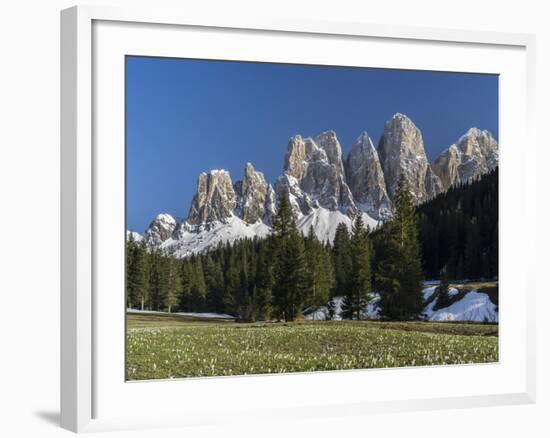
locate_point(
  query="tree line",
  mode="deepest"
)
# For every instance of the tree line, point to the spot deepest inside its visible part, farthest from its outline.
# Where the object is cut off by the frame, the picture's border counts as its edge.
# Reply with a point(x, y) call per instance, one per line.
point(287, 273)
point(459, 230)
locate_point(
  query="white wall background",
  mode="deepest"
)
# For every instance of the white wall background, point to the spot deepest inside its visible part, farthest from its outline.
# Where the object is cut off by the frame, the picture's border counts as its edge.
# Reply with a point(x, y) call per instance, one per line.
point(29, 215)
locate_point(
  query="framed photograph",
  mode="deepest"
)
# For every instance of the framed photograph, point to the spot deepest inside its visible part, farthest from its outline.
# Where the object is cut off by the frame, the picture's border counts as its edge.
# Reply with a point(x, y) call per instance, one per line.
point(322, 216)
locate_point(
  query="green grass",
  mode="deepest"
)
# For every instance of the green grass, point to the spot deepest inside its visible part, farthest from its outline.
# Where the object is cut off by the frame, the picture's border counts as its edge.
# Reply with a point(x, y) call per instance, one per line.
point(177, 347)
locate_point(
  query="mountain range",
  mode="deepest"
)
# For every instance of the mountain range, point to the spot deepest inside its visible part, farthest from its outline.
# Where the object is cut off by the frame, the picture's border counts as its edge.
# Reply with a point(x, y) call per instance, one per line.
point(325, 188)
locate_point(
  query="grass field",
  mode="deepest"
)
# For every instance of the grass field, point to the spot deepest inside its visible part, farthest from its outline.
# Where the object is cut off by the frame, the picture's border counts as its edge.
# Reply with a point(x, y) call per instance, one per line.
point(160, 347)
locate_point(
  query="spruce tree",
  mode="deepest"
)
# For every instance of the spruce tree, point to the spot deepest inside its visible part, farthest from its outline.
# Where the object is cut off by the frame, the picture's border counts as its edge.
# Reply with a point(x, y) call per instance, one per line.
point(174, 285)
point(319, 275)
point(155, 282)
point(399, 274)
point(184, 301)
point(213, 278)
point(289, 263)
point(232, 283)
point(198, 286)
point(131, 294)
point(264, 283)
point(136, 274)
point(342, 260)
point(357, 296)
point(443, 297)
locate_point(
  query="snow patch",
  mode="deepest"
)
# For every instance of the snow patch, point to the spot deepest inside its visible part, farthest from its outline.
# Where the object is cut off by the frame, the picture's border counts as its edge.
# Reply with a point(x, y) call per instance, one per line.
point(474, 306)
point(208, 315)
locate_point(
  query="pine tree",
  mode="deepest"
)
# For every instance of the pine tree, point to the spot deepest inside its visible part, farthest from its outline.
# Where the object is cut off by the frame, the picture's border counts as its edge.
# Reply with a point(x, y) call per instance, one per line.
point(198, 286)
point(357, 297)
point(232, 282)
point(264, 283)
point(472, 250)
point(342, 260)
point(319, 274)
point(242, 296)
point(174, 285)
point(155, 282)
point(131, 297)
point(184, 301)
point(289, 264)
point(443, 297)
point(213, 278)
point(399, 273)
point(136, 274)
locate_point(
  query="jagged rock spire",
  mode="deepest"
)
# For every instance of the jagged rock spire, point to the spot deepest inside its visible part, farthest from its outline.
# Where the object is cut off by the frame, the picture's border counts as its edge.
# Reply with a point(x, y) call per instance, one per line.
point(366, 179)
point(401, 150)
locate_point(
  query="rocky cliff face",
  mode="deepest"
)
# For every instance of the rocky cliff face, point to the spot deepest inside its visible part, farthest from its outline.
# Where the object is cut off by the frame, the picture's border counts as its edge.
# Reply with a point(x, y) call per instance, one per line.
point(215, 199)
point(324, 188)
point(160, 229)
point(401, 150)
point(474, 154)
point(314, 175)
point(254, 196)
point(366, 179)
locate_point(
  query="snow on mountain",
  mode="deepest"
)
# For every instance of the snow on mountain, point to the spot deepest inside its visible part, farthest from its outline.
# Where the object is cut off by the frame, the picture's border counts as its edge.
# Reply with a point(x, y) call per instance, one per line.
point(135, 235)
point(474, 154)
point(325, 222)
point(189, 240)
point(160, 229)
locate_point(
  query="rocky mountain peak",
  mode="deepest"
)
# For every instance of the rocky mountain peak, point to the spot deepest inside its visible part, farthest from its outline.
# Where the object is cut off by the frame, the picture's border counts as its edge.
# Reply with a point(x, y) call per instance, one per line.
point(324, 188)
point(474, 154)
point(314, 174)
point(401, 150)
point(254, 196)
point(329, 143)
point(160, 229)
point(215, 199)
point(365, 179)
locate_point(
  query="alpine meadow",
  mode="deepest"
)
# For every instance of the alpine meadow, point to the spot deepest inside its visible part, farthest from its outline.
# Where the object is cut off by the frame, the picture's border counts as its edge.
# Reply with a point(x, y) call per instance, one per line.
point(329, 252)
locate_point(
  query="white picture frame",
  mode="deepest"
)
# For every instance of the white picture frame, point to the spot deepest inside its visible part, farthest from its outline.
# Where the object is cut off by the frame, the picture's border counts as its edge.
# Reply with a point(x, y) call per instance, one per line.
point(93, 390)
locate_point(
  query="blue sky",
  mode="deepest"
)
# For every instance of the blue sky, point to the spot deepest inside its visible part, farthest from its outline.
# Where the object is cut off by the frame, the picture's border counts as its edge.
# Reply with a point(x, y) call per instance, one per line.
point(184, 117)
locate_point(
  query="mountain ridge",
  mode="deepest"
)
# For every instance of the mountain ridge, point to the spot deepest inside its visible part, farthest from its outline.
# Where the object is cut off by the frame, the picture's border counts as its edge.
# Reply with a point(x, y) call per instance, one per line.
point(324, 187)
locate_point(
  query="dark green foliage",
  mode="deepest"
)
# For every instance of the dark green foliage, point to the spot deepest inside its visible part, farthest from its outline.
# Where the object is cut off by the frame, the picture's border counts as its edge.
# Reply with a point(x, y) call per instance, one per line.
point(137, 290)
point(289, 268)
point(459, 229)
point(263, 285)
point(443, 298)
point(213, 279)
point(319, 272)
point(170, 295)
point(399, 272)
point(157, 281)
point(286, 273)
point(357, 296)
point(341, 254)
